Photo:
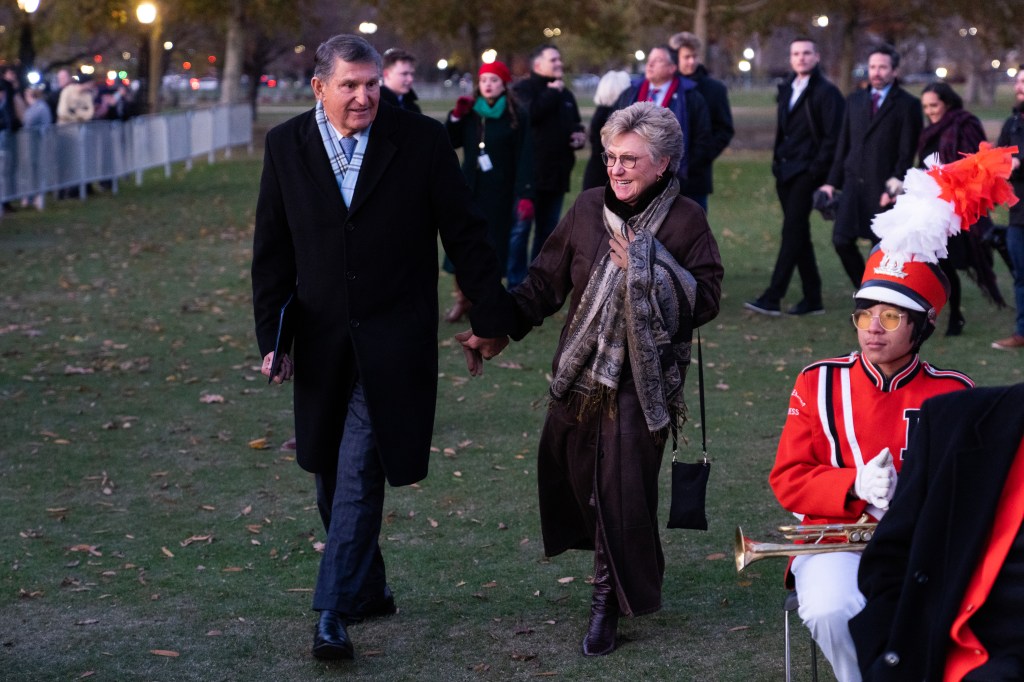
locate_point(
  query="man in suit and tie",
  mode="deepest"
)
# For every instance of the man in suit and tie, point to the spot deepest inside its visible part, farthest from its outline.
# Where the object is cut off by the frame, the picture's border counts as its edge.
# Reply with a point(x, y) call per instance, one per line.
point(666, 87)
point(352, 199)
point(876, 146)
point(810, 113)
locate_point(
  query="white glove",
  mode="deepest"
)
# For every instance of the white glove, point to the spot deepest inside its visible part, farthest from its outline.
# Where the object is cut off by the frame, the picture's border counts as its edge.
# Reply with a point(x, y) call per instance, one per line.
point(876, 480)
point(894, 187)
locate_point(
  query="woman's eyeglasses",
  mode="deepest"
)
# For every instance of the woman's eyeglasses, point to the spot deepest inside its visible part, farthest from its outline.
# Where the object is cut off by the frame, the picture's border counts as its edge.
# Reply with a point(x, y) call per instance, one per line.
point(627, 161)
point(889, 319)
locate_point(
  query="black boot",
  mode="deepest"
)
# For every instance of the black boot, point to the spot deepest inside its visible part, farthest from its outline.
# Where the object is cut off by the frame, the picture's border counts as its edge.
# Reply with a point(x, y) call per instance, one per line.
point(956, 323)
point(604, 606)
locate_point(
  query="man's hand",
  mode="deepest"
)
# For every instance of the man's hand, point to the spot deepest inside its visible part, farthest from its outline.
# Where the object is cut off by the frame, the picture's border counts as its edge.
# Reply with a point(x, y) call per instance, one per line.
point(876, 480)
point(477, 349)
point(284, 372)
point(577, 140)
point(620, 248)
point(557, 84)
point(827, 189)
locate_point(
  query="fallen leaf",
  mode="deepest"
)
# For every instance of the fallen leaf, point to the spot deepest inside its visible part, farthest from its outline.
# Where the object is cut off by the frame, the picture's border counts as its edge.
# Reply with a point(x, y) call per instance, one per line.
point(509, 365)
point(196, 538)
point(523, 657)
point(502, 526)
point(372, 652)
point(168, 553)
point(214, 633)
point(87, 621)
point(164, 652)
point(433, 523)
point(87, 673)
point(739, 627)
point(211, 398)
point(93, 550)
point(259, 444)
point(247, 510)
point(566, 580)
point(717, 556)
point(460, 583)
point(493, 583)
point(232, 569)
point(207, 507)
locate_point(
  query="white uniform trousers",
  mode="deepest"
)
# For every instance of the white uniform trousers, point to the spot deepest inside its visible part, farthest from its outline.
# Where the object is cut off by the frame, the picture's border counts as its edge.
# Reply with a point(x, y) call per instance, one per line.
point(829, 598)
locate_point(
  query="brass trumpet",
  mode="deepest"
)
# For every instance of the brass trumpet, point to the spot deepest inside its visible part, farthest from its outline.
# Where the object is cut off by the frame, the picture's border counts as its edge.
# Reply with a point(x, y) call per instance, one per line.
point(857, 535)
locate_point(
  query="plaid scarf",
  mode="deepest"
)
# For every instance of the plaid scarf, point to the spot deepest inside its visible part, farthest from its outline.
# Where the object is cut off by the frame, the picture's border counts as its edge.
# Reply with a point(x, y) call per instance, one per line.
point(635, 312)
point(339, 164)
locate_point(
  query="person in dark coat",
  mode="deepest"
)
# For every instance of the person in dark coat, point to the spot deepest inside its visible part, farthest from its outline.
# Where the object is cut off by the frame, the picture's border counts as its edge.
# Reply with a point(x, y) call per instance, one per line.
point(640, 269)
point(399, 74)
point(663, 85)
point(700, 182)
point(494, 133)
point(557, 133)
point(611, 85)
point(943, 573)
point(1012, 134)
point(951, 132)
point(810, 113)
point(347, 224)
point(876, 146)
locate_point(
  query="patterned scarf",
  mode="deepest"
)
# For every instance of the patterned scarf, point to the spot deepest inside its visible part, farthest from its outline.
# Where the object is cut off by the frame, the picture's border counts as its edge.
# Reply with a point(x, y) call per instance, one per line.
point(635, 312)
point(339, 164)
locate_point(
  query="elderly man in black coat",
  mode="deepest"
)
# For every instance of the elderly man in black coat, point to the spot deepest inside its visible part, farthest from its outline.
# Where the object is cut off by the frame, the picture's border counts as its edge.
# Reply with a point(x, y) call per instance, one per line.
point(942, 574)
point(351, 202)
point(876, 146)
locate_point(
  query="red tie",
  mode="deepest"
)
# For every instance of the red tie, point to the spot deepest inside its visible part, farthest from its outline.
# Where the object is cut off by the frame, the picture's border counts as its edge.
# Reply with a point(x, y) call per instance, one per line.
point(652, 96)
point(875, 96)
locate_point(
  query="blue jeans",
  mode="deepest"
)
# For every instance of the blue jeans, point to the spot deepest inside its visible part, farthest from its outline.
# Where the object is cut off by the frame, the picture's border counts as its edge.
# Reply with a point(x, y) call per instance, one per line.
point(547, 209)
point(1015, 245)
point(351, 503)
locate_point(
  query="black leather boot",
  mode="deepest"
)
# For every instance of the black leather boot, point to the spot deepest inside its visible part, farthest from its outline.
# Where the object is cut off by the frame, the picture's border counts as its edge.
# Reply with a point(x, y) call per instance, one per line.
point(604, 607)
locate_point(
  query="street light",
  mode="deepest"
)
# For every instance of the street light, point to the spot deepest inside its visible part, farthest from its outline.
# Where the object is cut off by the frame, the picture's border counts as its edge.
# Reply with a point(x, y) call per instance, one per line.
point(148, 15)
point(26, 47)
point(368, 27)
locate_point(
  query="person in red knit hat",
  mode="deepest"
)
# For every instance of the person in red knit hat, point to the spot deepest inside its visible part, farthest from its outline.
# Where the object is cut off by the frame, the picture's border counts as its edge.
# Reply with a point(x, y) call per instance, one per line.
point(493, 131)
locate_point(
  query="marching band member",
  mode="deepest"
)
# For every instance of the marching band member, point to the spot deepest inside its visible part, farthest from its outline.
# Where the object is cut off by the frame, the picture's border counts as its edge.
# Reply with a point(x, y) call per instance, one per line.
point(850, 417)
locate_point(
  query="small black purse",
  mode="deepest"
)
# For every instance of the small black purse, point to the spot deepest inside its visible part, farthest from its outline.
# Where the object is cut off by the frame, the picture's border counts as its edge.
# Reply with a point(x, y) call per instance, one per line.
point(690, 481)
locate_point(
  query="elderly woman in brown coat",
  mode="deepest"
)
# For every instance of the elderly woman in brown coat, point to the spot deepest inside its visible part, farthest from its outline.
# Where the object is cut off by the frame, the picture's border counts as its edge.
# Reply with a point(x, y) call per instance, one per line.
point(640, 269)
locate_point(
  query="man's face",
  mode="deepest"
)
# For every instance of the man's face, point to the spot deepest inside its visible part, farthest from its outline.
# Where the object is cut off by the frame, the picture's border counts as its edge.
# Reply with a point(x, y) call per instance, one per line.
point(548, 63)
point(688, 61)
point(880, 71)
point(1018, 86)
point(659, 69)
point(350, 96)
point(803, 57)
point(399, 77)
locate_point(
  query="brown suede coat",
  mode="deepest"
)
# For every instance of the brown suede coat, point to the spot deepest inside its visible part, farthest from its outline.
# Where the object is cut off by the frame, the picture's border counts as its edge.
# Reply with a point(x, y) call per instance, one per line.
point(607, 465)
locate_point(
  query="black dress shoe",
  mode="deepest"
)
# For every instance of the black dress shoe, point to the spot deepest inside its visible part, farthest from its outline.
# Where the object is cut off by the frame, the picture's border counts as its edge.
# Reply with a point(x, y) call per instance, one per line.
point(384, 605)
point(806, 308)
point(330, 639)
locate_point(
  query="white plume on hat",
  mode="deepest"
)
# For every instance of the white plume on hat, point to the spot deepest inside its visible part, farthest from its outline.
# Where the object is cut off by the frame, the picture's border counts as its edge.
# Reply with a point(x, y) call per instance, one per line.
point(920, 224)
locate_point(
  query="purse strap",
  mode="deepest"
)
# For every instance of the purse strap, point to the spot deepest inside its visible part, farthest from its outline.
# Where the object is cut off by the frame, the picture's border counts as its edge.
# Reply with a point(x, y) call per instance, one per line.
point(703, 419)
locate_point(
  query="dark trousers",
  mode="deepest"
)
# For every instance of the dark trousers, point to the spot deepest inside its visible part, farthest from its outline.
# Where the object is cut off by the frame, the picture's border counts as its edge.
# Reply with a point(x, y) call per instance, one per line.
point(547, 209)
point(351, 503)
point(796, 251)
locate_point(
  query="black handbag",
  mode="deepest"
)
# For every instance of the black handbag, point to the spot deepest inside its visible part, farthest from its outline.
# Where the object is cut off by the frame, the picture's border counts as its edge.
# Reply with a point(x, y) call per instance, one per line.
point(690, 481)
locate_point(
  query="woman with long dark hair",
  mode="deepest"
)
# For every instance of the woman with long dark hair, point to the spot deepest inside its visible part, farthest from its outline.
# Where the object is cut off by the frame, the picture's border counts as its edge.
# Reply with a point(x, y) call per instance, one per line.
point(951, 132)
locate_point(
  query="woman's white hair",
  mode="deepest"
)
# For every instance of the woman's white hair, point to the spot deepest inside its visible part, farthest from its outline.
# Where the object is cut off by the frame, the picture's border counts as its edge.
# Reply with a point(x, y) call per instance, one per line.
point(657, 126)
point(611, 85)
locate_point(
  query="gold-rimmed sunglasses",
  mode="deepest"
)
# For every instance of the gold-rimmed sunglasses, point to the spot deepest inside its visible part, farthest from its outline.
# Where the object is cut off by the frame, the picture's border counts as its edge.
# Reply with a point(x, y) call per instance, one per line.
point(889, 319)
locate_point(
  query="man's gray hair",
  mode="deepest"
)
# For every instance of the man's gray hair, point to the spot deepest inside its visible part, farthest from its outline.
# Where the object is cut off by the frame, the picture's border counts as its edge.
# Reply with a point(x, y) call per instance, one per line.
point(347, 48)
point(657, 126)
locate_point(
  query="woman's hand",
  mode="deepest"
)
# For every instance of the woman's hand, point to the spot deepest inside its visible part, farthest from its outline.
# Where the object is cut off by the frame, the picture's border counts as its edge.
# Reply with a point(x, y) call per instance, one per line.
point(620, 248)
point(463, 106)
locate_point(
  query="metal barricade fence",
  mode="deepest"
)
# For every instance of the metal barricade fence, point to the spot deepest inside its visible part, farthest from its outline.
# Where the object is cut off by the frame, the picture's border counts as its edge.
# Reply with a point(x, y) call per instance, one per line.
point(41, 161)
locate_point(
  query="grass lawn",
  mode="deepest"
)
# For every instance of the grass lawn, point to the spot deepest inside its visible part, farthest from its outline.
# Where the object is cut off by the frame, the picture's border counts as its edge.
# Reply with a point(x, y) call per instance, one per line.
point(153, 531)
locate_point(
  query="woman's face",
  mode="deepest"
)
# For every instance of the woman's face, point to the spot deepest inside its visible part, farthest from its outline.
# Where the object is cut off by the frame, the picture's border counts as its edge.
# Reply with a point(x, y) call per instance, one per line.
point(629, 183)
point(934, 108)
point(889, 351)
point(491, 86)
